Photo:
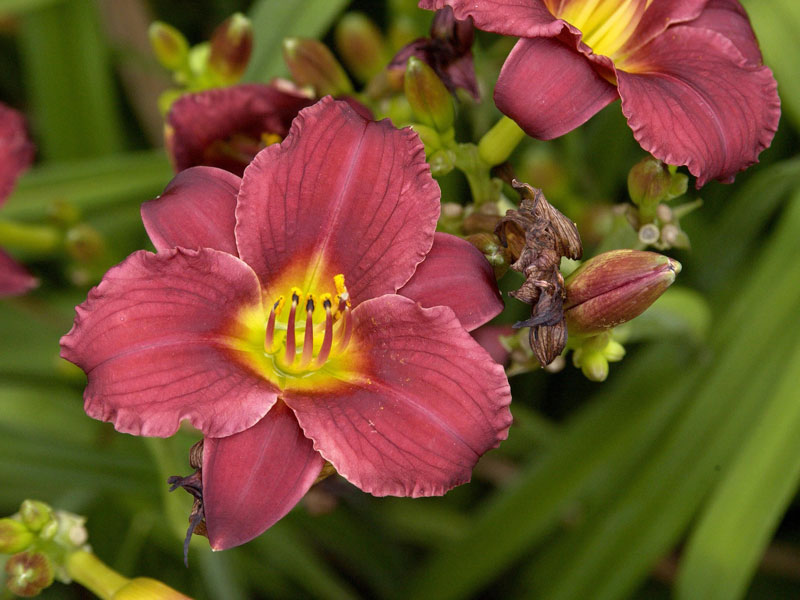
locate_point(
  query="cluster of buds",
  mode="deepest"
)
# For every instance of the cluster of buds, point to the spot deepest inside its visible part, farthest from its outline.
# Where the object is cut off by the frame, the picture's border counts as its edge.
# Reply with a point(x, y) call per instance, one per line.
point(219, 62)
point(651, 184)
point(46, 545)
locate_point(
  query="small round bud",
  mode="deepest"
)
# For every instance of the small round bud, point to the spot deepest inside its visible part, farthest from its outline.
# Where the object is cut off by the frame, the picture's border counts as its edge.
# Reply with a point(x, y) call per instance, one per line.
point(312, 63)
point(28, 573)
point(169, 45)
point(84, 243)
point(649, 234)
point(664, 213)
point(35, 514)
point(442, 162)
point(429, 98)
point(592, 363)
point(649, 182)
point(231, 45)
point(493, 250)
point(360, 44)
point(14, 536)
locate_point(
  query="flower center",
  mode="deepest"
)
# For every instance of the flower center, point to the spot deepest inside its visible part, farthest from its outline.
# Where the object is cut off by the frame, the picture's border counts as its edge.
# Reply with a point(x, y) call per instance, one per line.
point(326, 318)
point(239, 148)
point(606, 24)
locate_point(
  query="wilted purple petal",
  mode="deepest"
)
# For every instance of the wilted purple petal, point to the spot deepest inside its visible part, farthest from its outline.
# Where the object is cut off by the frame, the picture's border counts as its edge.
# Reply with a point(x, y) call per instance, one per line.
point(340, 195)
point(529, 18)
point(549, 88)
point(196, 210)
point(16, 150)
point(14, 279)
point(456, 274)
point(152, 338)
point(429, 404)
point(253, 478)
point(692, 99)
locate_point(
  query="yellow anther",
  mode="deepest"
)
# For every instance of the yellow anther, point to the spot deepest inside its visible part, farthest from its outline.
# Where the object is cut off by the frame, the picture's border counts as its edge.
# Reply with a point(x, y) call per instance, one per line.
point(327, 301)
point(278, 306)
point(270, 138)
point(296, 294)
point(341, 288)
point(310, 302)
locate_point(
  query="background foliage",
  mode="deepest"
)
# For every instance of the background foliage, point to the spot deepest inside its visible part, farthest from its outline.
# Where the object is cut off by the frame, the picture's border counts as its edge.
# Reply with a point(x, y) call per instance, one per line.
point(678, 476)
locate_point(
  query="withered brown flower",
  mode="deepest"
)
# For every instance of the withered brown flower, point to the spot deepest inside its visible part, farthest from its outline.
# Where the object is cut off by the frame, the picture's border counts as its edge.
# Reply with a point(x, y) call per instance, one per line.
point(537, 236)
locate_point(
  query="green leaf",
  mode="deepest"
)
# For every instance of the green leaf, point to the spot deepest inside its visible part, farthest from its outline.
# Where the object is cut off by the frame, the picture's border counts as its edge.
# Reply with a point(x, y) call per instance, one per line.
point(724, 550)
point(274, 20)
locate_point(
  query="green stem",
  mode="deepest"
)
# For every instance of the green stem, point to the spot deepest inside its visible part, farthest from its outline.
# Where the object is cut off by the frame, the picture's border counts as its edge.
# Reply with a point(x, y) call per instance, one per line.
point(499, 142)
point(24, 236)
point(93, 574)
point(477, 172)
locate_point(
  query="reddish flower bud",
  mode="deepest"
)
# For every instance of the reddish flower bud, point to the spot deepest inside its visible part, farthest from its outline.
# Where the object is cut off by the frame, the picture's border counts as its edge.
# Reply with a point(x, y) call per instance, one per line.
point(312, 63)
point(361, 45)
point(428, 96)
point(615, 287)
point(28, 573)
point(14, 536)
point(169, 45)
point(231, 45)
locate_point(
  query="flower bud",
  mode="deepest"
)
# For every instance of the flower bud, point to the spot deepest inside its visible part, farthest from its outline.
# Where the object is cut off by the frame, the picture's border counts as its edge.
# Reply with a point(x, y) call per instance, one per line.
point(429, 98)
point(493, 250)
point(614, 287)
point(35, 514)
point(169, 45)
point(312, 63)
point(231, 45)
point(28, 573)
point(144, 588)
point(649, 181)
point(84, 243)
point(361, 45)
point(14, 536)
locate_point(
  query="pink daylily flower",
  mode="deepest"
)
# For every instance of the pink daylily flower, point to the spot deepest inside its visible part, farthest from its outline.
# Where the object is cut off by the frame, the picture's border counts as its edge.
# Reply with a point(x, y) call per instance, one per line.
point(689, 74)
point(227, 127)
point(16, 155)
point(307, 312)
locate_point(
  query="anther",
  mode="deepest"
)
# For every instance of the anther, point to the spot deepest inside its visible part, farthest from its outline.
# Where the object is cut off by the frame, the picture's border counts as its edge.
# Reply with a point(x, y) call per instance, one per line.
point(290, 341)
point(327, 340)
point(308, 339)
point(269, 337)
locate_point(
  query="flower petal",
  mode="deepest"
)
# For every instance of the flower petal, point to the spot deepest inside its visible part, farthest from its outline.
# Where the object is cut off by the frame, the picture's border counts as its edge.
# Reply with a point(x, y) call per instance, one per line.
point(14, 279)
point(339, 195)
point(488, 337)
point(729, 18)
point(519, 19)
point(692, 99)
point(152, 340)
point(659, 16)
point(254, 478)
point(197, 120)
point(196, 210)
point(457, 275)
point(16, 150)
point(550, 88)
point(431, 403)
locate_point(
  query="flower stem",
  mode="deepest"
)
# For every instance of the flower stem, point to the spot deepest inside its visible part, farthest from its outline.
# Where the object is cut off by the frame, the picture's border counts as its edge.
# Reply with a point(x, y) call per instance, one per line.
point(24, 236)
point(478, 174)
point(88, 570)
point(499, 142)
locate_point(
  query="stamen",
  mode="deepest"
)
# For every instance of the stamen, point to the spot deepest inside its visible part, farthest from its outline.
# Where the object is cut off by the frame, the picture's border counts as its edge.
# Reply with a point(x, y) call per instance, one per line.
point(269, 337)
point(341, 288)
point(347, 330)
point(308, 339)
point(290, 341)
point(327, 341)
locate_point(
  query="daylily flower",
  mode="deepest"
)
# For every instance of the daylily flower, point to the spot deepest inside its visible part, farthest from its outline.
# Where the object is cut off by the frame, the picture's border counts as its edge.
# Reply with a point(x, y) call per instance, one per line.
point(305, 313)
point(16, 155)
point(689, 74)
point(227, 127)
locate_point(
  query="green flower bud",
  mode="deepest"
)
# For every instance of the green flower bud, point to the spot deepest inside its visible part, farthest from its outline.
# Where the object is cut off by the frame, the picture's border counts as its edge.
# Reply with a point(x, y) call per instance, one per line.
point(429, 98)
point(14, 536)
point(361, 45)
point(497, 255)
point(231, 45)
point(28, 573)
point(614, 287)
point(312, 63)
point(170, 46)
point(35, 514)
point(649, 182)
point(84, 243)
point(499, 142)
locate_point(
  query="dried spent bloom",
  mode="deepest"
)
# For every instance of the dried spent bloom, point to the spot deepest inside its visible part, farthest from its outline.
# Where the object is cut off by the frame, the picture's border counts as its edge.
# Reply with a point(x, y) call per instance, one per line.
point(227, 127)
point(305, 313)
point(537, 237)
point(689, 74)
point(448, 51)
point(16, 155)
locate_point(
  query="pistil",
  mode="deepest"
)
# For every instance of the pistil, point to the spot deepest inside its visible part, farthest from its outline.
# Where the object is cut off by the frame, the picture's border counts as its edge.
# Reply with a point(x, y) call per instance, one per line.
point(291, 348)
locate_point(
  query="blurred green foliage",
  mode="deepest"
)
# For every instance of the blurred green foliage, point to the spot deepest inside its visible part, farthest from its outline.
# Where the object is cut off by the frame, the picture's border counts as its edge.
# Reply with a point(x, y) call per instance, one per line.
point(678, 476)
